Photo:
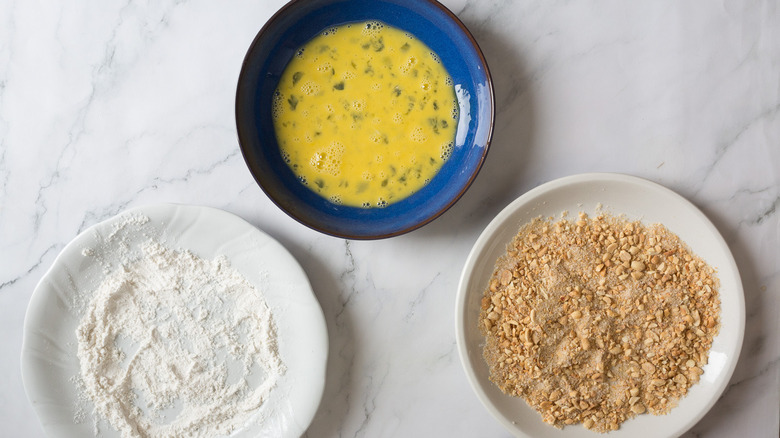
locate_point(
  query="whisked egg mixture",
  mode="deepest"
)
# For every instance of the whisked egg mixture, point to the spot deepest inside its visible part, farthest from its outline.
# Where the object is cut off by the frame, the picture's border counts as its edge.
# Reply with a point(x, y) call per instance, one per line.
point(365, 114)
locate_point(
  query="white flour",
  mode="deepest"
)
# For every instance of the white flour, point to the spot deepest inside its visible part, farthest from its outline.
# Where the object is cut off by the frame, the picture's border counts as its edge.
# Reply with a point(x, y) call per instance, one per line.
point(175, 345)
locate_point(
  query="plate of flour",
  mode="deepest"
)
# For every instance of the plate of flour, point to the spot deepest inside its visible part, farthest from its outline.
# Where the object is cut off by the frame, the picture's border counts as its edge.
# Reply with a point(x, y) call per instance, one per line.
point(173, 320)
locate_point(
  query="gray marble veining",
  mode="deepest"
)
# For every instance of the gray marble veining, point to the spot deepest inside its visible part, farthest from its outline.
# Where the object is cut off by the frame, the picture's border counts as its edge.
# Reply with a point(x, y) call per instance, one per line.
point(106, 105)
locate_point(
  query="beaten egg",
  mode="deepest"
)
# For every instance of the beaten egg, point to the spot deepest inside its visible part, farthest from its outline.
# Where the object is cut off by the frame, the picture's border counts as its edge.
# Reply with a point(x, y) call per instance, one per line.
point(365, 114)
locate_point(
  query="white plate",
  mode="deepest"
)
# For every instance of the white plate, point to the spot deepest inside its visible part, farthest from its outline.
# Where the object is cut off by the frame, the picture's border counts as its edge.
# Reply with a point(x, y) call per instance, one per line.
point(637, 199)
point(49, 359)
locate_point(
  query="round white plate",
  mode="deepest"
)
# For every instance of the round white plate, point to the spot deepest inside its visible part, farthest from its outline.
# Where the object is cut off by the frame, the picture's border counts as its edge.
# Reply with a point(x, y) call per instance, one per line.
point(616, 194)
point(49, 361)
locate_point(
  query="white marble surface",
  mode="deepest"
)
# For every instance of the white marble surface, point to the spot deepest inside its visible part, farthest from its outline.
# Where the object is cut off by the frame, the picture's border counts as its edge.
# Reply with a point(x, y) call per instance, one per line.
point(108, 104)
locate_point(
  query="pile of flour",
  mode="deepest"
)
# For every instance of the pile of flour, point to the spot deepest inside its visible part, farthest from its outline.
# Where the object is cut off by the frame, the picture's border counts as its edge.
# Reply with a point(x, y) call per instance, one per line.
point(175, 345)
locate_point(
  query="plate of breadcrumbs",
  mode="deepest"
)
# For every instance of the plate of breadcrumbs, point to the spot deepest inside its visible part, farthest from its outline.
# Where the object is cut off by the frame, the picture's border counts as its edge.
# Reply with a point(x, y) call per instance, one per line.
point(600, 303)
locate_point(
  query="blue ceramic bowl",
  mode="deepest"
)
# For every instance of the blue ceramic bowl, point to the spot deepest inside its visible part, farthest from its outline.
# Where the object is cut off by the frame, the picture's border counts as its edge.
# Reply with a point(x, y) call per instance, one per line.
point(298, 22)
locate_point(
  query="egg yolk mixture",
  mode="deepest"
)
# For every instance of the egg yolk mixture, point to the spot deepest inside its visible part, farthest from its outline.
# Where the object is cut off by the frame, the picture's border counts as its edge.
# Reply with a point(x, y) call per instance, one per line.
point(365, 114)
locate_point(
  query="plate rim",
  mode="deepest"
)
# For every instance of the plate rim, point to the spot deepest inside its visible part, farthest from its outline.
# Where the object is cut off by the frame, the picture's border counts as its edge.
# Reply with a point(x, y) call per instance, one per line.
point(77, 242)
point(536, 194)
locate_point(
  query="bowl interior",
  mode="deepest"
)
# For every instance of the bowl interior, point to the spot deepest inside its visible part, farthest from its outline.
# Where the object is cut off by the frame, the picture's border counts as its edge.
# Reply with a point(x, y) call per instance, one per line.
point(275, 45)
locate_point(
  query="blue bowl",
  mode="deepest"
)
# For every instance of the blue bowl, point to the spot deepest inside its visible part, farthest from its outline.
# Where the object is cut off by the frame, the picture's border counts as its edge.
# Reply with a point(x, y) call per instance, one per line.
point(301, 20)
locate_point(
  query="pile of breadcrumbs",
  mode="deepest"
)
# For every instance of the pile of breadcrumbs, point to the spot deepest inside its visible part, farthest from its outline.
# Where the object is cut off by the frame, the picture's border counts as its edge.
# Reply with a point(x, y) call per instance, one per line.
point(598, 320)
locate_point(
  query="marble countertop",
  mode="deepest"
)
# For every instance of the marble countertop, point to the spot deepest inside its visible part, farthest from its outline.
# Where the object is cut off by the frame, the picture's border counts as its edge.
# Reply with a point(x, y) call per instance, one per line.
point(110, 104)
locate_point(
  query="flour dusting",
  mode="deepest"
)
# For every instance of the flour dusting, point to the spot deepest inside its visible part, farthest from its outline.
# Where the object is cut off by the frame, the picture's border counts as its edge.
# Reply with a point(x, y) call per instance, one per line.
point(172, 344)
